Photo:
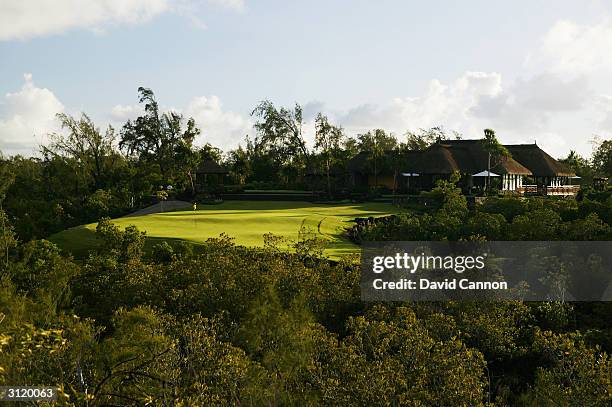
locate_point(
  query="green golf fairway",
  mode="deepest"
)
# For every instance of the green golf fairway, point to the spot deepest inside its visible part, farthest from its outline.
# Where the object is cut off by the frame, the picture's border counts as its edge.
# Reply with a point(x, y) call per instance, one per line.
point(246, 221)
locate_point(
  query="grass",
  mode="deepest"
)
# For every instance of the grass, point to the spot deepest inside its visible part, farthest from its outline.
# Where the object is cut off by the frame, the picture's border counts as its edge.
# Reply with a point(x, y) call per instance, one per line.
point(246, 221)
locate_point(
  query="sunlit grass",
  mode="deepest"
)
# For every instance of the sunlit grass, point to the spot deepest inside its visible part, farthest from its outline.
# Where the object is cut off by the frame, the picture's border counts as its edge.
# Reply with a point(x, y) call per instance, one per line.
point(246, 221)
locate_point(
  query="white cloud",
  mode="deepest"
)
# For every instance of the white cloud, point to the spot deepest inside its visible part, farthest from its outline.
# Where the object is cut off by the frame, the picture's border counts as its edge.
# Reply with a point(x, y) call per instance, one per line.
point(528, 105)
point(224, 129)
point(546, 108)
point(237, 5)
point(26, 116)
point(572, 48)
point(121, 113)
point(24, 19)
point(441, 104)
point(549, 92)
point(605, 107)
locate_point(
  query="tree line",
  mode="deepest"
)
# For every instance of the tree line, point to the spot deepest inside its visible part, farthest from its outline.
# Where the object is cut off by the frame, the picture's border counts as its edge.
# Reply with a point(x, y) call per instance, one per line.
point(84, 173)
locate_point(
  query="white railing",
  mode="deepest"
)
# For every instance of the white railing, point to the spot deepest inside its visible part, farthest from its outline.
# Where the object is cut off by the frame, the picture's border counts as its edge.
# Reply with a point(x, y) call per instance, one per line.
point(561, 190)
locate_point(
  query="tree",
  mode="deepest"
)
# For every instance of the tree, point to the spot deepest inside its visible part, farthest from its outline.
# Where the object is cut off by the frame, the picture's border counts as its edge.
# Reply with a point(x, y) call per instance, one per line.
point(578, 164)
point(602, 158)
point(91, 151)
point(376, 143)
point(389, 357)
point(447, 197)
point(280, 130)
point(239, 164)
point(424, 138)
point(124, 245)
point(160, 138)
point(282, 340)
point(495, 150)
point(7, 177)
point(7, 235)
point(574, 374)
point(539, 224)
point(327, 141)
point(7, 239)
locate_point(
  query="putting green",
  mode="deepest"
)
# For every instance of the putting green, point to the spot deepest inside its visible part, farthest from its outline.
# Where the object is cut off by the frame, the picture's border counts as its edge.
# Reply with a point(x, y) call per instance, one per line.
point(246, 221)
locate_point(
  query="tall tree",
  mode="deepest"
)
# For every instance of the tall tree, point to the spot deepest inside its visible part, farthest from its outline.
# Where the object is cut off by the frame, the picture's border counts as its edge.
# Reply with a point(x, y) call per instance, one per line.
point(376, 143)
point(424, 138)
point(157, 137)
point(578, 164)
point(602, 157)
point(281, 128)
point(91, 151)
point(328, 139)
point(239, 163)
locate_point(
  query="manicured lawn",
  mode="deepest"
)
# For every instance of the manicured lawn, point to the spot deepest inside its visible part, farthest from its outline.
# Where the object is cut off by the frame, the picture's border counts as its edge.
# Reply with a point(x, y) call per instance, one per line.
point(246, 221)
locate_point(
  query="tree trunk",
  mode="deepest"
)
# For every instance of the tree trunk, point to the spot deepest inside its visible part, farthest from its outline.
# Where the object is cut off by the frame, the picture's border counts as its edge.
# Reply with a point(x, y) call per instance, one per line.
point(488, 173)
point(190, 175)
point(375, 173)
point(328, 181)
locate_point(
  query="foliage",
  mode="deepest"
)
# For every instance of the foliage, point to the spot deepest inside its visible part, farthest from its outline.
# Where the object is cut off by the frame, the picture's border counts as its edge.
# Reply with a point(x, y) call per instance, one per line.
point(161, 139)
point(424, 138)
point(602, 158)
point(124, 245)
point(279, 132)
point(328, 139)
point(572, 373)
point(279, 324)
point(580, 165)
point(90, 152)
point(8, 240)
point(376, 143)
point(230, 325)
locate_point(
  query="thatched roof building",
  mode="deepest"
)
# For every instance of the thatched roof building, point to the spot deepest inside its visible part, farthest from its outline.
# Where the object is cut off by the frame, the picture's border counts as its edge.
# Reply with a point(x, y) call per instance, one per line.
point(210, 167)
point(538, 161)
point(467, 157)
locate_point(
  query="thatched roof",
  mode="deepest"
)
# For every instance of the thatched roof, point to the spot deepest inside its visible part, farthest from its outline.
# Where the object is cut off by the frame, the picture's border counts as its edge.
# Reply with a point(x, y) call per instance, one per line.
point(437, 159)
point(464, 156)
point(468, 157)
point(361, 163)
point(538, 161)
point(210, 167)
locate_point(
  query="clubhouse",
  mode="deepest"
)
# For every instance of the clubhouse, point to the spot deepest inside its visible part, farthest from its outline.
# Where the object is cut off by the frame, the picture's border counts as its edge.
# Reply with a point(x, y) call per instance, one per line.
point(527, 170)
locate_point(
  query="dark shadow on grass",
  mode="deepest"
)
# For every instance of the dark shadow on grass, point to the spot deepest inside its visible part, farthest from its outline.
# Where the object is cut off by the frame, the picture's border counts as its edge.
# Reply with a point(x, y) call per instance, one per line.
point(80, 241)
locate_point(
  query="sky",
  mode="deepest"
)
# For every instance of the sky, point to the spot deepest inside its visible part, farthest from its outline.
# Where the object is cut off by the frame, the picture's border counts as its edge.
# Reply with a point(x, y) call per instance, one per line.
point(534, 71)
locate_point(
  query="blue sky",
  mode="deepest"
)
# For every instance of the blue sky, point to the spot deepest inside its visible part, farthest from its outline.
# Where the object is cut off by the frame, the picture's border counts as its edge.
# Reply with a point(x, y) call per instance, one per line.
point(532, 70)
